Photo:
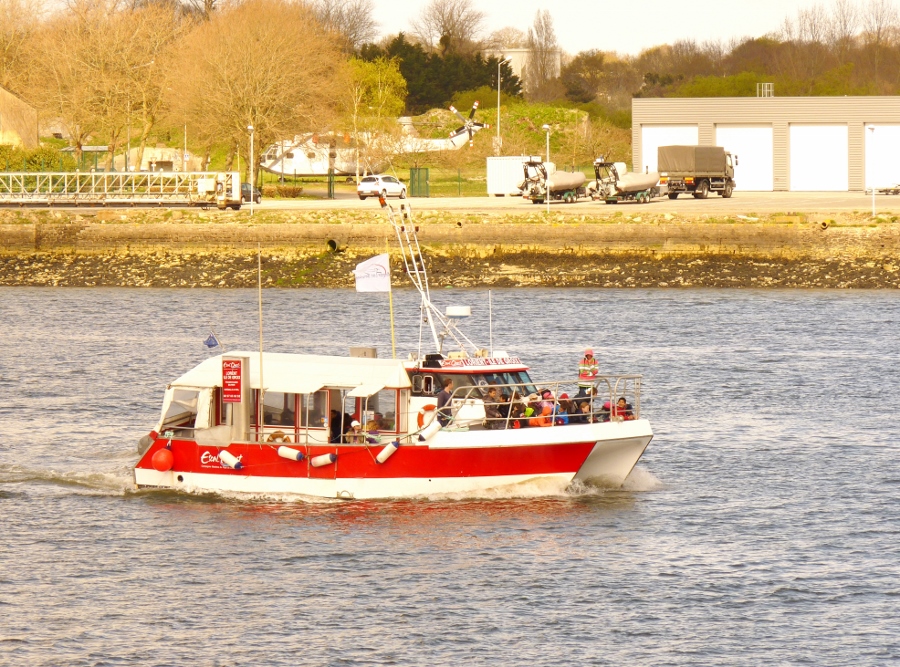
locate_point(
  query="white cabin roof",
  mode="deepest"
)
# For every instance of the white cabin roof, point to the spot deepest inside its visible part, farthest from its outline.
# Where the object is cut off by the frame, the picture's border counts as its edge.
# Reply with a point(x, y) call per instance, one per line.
point(304, 373)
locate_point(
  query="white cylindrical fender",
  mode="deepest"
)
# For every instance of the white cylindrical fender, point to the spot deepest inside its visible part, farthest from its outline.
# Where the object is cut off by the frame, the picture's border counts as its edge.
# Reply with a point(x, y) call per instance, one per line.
point(289, 453)
point(322, 460)
point(388, 451)
point(229, 460)
point(429, 430)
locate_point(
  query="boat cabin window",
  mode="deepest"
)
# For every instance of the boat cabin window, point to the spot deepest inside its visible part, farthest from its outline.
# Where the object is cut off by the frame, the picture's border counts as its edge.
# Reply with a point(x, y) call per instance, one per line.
point(429, 384)
point(380, 412)
point(314, 407)
point(287, 410)
point(423, 385)
point(280, 409)
point(181, 409)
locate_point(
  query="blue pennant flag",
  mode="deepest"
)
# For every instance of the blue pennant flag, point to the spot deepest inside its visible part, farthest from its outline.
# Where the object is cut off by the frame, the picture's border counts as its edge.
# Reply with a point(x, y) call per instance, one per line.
point(211, 342)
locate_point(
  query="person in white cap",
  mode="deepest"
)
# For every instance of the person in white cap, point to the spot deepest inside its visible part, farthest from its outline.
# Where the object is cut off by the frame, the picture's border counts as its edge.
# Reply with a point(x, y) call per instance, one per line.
point(355, 436)
point(588, 370)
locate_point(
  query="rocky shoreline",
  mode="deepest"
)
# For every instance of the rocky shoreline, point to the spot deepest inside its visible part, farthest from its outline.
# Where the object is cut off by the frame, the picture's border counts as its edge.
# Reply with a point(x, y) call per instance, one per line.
point(320, 249)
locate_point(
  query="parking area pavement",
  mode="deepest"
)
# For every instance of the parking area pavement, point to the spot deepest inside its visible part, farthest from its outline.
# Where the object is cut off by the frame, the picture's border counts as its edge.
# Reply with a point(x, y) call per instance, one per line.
point(743, 203)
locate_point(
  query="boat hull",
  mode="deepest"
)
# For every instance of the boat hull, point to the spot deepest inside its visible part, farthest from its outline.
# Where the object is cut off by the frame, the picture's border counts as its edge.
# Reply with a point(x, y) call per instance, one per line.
point(467, 462)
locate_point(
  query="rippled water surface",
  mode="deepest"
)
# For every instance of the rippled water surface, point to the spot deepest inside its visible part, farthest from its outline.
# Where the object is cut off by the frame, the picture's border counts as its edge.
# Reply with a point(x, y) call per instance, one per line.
point(760, 528)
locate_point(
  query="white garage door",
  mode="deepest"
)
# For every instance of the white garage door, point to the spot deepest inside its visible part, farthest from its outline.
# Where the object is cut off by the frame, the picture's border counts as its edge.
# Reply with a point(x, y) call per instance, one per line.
point(882, 151)
point(819, 158)
point(752, 144)
point(654, 136)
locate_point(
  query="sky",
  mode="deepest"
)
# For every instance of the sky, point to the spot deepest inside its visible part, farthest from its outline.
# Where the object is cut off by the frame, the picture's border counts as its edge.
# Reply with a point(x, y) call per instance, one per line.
point(639, 24)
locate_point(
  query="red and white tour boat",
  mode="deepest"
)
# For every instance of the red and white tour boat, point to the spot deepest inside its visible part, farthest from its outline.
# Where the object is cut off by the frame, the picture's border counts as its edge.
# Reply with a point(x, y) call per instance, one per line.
point(219, 432)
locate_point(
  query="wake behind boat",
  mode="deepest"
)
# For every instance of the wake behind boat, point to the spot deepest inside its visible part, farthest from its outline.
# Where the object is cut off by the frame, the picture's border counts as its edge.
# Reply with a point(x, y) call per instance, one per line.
point(363, 427)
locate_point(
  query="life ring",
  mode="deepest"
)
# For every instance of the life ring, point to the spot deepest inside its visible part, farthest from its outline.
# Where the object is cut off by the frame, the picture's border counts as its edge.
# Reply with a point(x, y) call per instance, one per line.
point(279, 436)
point(420, 420)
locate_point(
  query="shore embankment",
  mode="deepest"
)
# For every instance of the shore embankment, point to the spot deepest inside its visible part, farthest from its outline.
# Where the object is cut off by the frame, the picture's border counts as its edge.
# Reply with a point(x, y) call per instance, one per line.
point(195, 248)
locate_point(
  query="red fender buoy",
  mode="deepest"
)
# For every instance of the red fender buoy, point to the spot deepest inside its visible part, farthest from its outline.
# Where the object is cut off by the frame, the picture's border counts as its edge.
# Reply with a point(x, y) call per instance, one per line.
point(163, 460)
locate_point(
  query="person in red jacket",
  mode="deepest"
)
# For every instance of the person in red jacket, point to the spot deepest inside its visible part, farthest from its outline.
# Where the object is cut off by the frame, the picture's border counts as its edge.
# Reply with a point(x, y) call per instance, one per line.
point(588, 370)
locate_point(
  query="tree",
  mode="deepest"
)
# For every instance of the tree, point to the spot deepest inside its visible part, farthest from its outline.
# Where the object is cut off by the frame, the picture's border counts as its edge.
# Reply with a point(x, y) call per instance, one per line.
point(543, 59)
point(374, 96)
point(434, 80)
point(19, 20)
point(351, 19)
point(506, 38)
point(99, 64)
point(584, 76)
point(264, 63)
point(454, 25)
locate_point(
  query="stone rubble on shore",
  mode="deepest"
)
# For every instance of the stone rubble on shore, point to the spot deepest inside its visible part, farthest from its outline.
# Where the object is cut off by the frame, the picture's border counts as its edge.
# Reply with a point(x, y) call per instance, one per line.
point(210, 249)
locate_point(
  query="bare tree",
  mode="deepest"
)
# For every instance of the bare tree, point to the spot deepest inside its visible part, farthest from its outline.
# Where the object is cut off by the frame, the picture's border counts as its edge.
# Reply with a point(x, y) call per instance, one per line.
point(452, 24)
point(544, 58)
point(19, 20)
point(351, 19)
point(506, 38)
point(266, 64)
point(879, 20)
point(843, 27)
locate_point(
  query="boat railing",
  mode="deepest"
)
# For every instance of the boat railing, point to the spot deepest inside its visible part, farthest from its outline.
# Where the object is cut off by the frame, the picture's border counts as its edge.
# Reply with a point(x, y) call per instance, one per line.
point(608, 398)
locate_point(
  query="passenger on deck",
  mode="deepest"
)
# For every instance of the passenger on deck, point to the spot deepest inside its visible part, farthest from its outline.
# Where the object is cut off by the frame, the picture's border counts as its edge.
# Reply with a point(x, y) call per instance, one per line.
point(605, 412)
point(545, 418)
point(503, 408)
point(585, 414)
point(355, 436)
point(532, 406)
point(623, 410)
point(334, 427)
point(588, 370)
point(517, 415)
point(493, 418)
point(561, 413)
point(443, 402)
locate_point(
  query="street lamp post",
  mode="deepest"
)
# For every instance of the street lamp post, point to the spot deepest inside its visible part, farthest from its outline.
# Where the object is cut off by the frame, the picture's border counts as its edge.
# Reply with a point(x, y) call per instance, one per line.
point(128, 150)
point(871, 181)
point(250, 128)
point(546, 129)
point(499, 140)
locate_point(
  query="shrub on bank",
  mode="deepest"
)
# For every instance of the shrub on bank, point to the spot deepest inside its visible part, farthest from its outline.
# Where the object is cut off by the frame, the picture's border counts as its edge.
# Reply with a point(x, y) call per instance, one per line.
point(43, 158)
point(283, 190)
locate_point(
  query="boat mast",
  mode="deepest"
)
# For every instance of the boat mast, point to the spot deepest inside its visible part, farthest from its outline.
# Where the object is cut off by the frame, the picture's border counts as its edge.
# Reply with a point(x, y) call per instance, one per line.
point(414, 264)
point(259, 407)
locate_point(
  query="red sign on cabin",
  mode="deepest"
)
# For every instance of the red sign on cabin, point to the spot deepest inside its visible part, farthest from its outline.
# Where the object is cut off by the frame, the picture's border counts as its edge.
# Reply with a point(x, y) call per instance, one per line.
point(231, 380)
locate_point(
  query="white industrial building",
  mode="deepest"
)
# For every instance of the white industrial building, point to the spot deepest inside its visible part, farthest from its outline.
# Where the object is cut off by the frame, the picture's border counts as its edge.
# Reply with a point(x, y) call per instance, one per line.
point(783, 143)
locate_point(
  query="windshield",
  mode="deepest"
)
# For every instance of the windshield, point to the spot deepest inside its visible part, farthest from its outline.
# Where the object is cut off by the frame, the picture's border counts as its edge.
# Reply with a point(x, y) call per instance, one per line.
point(429, 384)
point(368, 179)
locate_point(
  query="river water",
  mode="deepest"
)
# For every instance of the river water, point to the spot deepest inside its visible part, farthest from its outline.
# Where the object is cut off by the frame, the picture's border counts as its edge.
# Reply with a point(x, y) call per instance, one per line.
point(761, 526)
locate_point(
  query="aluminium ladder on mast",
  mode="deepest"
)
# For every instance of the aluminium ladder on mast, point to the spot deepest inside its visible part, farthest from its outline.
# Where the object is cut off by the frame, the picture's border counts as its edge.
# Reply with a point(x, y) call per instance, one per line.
point(414, 264)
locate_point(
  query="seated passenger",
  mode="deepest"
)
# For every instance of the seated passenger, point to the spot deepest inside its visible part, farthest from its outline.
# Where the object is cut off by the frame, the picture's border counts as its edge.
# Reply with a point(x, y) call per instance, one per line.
point(517, 415)
point(545, 418)
point(503, 408)
point(605, 412)
point(561, 412)
point(583, 414)
point(623, 410)
point(355, 436)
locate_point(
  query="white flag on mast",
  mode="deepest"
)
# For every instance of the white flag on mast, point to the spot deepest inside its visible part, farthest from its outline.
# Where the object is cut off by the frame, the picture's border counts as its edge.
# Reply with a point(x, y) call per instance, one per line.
point(374, 275)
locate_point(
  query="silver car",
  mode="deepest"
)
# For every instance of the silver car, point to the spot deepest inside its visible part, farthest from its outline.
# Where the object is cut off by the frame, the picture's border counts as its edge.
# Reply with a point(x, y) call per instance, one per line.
point(380, 185)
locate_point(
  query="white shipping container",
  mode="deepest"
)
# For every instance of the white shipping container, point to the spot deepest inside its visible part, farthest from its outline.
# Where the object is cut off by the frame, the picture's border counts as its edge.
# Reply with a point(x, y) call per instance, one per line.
point(505, 174)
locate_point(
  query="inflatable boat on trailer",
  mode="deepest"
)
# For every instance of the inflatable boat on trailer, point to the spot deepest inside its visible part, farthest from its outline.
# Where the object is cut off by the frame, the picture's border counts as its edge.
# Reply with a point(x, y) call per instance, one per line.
point(281, 423)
